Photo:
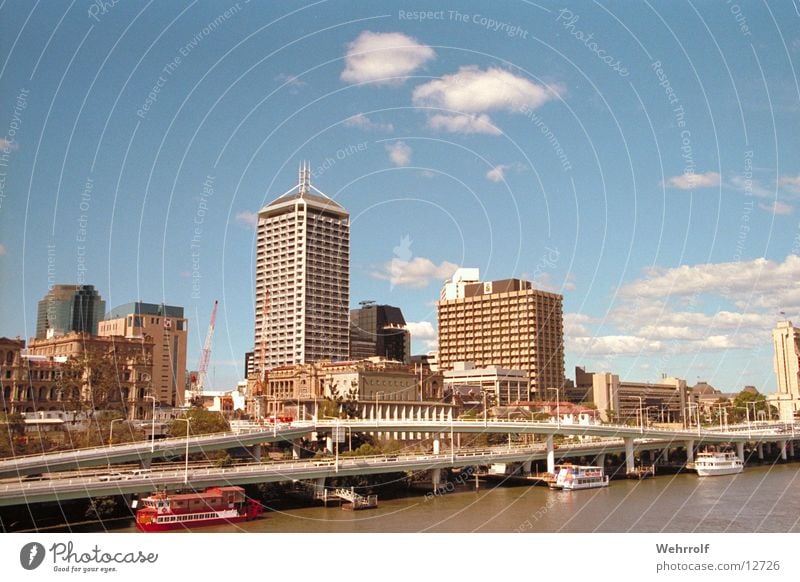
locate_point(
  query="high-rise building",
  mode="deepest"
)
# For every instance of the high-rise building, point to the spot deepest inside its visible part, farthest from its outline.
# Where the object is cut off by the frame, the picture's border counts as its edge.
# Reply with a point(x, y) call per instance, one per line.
point(503, 323)
point(68, 308)
point(379, 330)
point(786, 339)
point(302, 278)
point(169, 330)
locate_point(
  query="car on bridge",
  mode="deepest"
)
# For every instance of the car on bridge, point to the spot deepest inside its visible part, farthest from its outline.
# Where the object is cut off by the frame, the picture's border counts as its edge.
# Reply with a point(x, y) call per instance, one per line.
point(115, 476)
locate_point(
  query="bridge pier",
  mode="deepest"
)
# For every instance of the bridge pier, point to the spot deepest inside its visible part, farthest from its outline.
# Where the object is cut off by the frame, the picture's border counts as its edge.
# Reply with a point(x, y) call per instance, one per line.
point(257, 453)
point(436, 478)
point(760, 449)
point(629, 460)
point(791, 449)
point(295, 450)
point(551, 455)
point(436, 445)
point(526, 467)
point(740, 451)
point(689, 451)
point(782, 447)
point(319, 486)
point(329, 444)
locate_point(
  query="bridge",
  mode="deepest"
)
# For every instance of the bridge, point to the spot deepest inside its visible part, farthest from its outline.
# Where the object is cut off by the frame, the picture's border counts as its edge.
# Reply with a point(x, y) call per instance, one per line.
point(142, 452)
point(611, 439)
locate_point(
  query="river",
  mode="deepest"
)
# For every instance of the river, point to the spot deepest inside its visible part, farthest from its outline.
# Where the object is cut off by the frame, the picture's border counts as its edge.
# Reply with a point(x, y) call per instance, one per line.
point(761, 499)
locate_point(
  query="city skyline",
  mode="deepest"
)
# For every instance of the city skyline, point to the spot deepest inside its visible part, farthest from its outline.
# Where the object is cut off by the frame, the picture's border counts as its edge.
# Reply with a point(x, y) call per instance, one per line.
point(656, 192)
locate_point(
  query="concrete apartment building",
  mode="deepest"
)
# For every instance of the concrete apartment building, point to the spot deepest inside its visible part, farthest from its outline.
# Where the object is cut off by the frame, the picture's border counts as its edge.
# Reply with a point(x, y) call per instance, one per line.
point(504, 323)
point(67, 308)
point(302, 279)
point(169, 331)
point(48, 384)
point(617, 401)
point(786, 342)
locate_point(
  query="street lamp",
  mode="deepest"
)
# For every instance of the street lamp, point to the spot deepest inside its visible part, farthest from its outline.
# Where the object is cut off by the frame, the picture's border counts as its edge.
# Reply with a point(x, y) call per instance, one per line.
point(747, 412)
point(152, 423)
point(641, 416)
point(689, 408)
point(755, 403)
point(186, 454)
point(111, 431)
point(719, 404)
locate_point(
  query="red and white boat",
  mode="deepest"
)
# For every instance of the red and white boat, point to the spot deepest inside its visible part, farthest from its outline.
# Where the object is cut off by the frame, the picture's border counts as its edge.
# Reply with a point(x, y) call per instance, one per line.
point(215, 506)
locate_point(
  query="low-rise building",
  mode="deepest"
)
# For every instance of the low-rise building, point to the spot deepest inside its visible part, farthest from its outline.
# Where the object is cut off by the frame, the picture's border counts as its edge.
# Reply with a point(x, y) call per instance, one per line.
point(501, 386)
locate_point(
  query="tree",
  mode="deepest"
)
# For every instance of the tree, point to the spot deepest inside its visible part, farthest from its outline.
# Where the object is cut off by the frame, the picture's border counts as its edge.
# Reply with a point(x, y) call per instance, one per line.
point(202, 422)
point(745, 400)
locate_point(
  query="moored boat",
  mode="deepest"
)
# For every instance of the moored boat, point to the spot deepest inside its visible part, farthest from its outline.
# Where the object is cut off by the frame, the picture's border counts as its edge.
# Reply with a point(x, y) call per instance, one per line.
point(573, 477)
point(713, 463)
point(215, 506)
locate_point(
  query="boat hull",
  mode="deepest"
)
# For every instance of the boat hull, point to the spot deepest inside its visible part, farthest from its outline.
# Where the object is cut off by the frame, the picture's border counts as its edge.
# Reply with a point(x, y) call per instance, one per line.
point(189, 524)
point(718, 471)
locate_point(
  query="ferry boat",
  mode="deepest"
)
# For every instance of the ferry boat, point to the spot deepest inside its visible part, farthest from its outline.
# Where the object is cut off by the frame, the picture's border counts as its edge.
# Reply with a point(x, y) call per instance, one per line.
point(162, 511)
point(573, 477)
point(712, 463)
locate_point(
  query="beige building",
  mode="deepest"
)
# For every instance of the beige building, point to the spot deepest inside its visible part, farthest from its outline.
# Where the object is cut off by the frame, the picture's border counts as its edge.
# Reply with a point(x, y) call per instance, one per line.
point(617, 401)
point(121, 383)
point(505, 386)
point(169, 330)
point(302, 279)
point(504, 323)
point(786, 341)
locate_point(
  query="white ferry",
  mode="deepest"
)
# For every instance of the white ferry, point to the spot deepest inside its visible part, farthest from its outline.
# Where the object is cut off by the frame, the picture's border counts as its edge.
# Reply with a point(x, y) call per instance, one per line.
point(712, 463)
point(571, 477)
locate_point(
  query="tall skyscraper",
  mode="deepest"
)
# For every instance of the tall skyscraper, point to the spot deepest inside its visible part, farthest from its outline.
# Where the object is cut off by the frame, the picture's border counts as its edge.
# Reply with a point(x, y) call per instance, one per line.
point(786, 339)
point(504, 323)
point(379, 330)
point(68, 308)
point(169, 330)
point(302, 278)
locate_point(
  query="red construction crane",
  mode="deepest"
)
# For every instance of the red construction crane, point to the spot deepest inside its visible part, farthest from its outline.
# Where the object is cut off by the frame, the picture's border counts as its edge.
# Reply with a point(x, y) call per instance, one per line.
point(205, 356)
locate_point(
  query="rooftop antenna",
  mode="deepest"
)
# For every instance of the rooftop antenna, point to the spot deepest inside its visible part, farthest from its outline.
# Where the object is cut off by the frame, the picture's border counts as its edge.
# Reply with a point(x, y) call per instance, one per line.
point(305, 177)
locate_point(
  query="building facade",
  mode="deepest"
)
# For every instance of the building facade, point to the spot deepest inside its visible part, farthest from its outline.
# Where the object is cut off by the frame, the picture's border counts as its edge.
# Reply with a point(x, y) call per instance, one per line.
point(503, 323)
point(379, 330)
point(502, 386)
point(617, 401)
point(68, 308)
point(302, 279)
point(79, 371)
point(169, 331)
point(786, 342)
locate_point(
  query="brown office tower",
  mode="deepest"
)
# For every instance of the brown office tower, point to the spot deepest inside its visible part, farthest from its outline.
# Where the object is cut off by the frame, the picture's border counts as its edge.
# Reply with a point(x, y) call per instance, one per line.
point(503, 323)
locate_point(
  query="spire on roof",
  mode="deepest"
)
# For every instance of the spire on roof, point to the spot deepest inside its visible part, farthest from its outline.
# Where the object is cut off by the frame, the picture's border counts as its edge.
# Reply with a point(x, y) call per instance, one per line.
point(305, 178)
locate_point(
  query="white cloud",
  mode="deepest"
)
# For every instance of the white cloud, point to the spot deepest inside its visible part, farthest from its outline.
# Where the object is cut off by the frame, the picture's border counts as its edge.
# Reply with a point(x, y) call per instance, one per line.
point(776, 207)
point(690, 181)
point(416, 273)
point(790, 182)
point(384, 57)
point(292, 81)
point(399, 153)
point(750, 186)
point(463, 123)
point(421, 330)
point(472, 90)
point(575, 325)
point(498, 173)
point(7, 144)
point(613, 345)
point(2, 249)
point(247, 218)
point(361, 121)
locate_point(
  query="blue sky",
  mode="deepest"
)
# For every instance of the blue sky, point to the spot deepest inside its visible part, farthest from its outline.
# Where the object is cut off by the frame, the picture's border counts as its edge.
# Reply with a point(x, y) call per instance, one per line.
point(640, 159)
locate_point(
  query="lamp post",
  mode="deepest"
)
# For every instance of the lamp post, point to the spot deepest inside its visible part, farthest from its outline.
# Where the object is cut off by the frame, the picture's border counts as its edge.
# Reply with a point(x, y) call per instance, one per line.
point(719, 404)
point(641, 416)
point(186, 454)
point(111, 430)
point(152, 423)
point(754, 409)
point(747, 412)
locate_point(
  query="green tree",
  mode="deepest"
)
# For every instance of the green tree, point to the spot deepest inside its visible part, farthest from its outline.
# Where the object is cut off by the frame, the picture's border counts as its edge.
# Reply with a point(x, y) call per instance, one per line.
point(202, 421)
point(755, 402)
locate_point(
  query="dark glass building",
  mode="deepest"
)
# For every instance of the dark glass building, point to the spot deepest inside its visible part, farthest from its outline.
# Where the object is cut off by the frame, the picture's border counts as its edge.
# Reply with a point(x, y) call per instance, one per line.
point(69, 308)
point(379, 330)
